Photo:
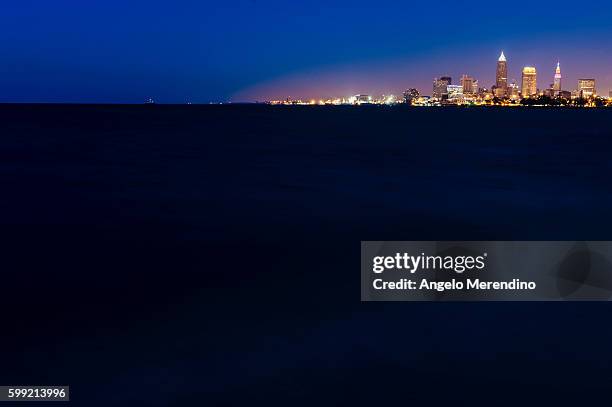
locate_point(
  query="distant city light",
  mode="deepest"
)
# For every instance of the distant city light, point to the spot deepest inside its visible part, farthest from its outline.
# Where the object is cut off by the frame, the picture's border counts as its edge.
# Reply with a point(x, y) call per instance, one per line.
point(468, 92)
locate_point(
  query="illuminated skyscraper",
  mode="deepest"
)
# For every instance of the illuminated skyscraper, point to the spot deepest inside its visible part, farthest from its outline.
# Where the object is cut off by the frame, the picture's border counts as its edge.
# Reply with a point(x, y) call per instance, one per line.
point(501, 74)
point(557, 82)
point(467, 82)
point(529, 85)
point(440, 87)
point(586, 88)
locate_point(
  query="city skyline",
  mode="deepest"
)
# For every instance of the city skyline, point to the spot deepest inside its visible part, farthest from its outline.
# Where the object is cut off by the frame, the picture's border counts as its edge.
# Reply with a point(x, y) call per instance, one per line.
point(250, 50)
point(469, 91)
point(547, 76)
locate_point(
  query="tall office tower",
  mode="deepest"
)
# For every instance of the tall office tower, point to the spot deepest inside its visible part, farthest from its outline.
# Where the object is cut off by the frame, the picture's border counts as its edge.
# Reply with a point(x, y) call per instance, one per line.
point(529, 85)
point(586, 88)
point(467, 83)
point(475, 89)
point(440, 87)
point(557, 82)
point(501, 75)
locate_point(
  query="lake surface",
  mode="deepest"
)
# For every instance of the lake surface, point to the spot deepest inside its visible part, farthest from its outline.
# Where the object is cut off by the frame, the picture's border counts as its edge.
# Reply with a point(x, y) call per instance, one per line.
point(184, 255)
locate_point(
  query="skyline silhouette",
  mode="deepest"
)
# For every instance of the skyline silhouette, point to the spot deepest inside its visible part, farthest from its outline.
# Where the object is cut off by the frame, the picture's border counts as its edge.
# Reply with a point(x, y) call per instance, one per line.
point(200, 52)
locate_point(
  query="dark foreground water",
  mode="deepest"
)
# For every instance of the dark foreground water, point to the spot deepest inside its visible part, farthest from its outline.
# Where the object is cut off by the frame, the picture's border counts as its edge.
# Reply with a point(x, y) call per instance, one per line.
point(209, 255)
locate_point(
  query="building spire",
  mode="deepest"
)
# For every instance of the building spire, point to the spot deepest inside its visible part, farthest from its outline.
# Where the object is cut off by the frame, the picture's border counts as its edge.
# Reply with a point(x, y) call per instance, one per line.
point(502, 57)
point(557, 81)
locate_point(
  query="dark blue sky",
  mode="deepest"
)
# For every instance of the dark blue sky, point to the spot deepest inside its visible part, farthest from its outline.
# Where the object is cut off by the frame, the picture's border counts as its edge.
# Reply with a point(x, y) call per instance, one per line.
point(201, 51)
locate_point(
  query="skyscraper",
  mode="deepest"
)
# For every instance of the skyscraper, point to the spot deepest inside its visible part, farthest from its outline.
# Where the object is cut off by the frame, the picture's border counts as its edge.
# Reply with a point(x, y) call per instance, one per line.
point(467, 82)
point(501, 75)
point(557, 81)
point(529, 85)
point(586, 88)
point(440, 87)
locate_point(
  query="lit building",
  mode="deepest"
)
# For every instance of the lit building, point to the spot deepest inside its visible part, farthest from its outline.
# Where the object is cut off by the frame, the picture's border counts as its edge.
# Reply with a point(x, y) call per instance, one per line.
point(475, 89)
point(388, 99)
point(586, 88)
point(411, 95)
point(440, 87)
point(455, 93)
point(361, 99)
point(422, 101)
point(513, 90)
point(529, 85)
point(501, 75)
point(467, 83)
point(557, 81)
point(499, 92)
point(485, 93)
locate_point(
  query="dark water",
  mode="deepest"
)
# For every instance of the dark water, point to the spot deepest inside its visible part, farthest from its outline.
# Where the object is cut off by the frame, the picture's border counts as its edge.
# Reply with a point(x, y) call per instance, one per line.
point(209, 255)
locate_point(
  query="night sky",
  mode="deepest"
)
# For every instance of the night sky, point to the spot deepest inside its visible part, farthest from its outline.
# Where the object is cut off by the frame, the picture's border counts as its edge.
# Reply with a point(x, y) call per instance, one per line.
point(246, 50)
